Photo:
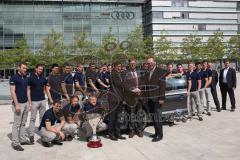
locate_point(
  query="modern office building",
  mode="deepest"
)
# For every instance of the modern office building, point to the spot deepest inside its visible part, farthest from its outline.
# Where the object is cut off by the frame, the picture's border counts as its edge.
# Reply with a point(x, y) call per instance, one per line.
point(34, 19)
point(179, 18)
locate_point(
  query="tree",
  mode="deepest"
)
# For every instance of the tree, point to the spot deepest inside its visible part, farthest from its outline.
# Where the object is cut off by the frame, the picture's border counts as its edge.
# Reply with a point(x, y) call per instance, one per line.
point(20, 53)
point(23, 53)
point(215, 46)
point(234, 47)
point(81, 48)
point(81, 45)
point(164, 49)
point(193, 48)
point(109, 47)
point(53, 50)
point(139, 46)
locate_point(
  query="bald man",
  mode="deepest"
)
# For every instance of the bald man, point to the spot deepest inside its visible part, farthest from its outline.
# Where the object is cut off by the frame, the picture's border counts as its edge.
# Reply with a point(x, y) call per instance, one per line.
point(155, 95)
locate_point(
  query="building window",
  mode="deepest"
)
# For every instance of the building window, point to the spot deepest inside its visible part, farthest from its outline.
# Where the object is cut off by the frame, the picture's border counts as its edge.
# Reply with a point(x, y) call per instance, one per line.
point(238, 6)
point(202, 27)
point(239, 28)
point(184, 15)
point(178, 3)
point(157, 15)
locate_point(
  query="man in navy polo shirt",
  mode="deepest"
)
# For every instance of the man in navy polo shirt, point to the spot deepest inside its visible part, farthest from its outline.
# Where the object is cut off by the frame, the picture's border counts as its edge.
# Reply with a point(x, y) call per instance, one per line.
point(204, 80)
point(80, 83)
point(37, 85)
point(194, 85)
point(103, 78)
point(54, 81)
point(207, 88)
point(18, 89)
point(51, 126)
point(71, 114)
point(66, 84)
point(91, 78)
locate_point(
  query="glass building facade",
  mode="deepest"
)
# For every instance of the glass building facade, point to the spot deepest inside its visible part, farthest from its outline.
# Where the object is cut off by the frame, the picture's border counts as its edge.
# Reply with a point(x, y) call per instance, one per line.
point(34, 20)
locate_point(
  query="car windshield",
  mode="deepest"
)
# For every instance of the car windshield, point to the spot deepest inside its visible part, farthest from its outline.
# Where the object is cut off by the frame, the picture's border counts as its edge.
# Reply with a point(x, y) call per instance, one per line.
point(175, 83)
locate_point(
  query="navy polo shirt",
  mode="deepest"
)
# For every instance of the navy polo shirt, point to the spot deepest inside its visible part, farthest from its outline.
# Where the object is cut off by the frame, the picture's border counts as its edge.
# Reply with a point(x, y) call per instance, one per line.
point(20, 83)
point(104, 77)
point(69, 111)
point(49, 116)
point(80, 78)
point(37, 84)
point(203, 74)
point(68, 80)
point(91, 75)
point(54, 82)
point(210, 74)
point(194, 77)
point(88, 107)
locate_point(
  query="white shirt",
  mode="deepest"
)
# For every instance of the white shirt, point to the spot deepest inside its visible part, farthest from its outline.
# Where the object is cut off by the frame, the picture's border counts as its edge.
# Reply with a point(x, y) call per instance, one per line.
point(225, 75)
point(151, 72)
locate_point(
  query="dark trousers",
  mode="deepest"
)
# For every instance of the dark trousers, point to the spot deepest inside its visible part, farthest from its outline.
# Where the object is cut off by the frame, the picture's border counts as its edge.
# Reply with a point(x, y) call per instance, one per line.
point(157, 116)
point(114, 122)
point(135, 121)
point(224, 90)
point(215, 97)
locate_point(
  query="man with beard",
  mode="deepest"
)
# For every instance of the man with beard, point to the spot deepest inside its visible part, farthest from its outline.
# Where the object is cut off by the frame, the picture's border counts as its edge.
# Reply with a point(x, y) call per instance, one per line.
point(51, 126)
point(80, 83)
point(54, 81)
point(71, 114)
point(37, 87)
point(67, 84)
point(18, 90)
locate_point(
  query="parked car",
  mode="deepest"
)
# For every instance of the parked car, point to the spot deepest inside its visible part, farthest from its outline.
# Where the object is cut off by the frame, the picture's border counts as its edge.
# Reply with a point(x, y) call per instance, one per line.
point(174, 108)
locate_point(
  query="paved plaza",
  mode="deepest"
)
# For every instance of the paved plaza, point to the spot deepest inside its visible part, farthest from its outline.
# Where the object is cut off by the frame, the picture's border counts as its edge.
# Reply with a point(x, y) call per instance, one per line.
point(217, 137)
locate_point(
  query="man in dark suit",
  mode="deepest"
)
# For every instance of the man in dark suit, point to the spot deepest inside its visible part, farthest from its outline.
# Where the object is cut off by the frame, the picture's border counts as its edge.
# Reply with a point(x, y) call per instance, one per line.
point(131, 92)
point(155, 85)
point(213, 86)
point(117, 88)
point(228, 83)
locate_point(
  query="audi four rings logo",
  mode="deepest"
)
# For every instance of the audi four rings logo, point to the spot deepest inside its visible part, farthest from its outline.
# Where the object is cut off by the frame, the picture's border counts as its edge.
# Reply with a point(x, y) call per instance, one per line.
point(123, 15)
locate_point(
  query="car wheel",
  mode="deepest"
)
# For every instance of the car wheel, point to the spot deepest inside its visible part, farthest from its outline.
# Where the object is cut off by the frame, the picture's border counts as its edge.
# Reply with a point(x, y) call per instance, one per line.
point(142, 117)
point(123, 118)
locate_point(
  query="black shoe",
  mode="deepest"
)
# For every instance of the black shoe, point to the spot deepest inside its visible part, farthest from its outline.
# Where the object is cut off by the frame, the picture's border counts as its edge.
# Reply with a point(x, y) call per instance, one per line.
point(113, 138)
point(232, 110)
point(156, 139)
point(57, 142)
point(131, 134)
point(209, 114)
point(218, 110)
point(223, 108)
point(140, 134)
point(31, 139)
point(17, 148)
point(152, 135)
point(69, 138)
point(26, 143)
point(47, 144)
point(118, 136)
point(200, 119)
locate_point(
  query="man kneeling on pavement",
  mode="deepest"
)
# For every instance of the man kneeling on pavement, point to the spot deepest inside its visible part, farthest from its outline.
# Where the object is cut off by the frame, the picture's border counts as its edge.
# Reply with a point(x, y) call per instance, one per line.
point(91, 106)
point(51, 126)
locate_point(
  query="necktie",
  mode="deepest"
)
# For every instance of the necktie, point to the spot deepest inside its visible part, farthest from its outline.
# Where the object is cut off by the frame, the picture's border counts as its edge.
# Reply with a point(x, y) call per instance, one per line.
point(135, 79)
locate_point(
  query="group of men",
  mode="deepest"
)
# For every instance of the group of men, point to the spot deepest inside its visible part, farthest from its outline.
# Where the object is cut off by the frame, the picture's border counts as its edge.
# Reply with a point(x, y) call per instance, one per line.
point(202, 80)
point(66, 92)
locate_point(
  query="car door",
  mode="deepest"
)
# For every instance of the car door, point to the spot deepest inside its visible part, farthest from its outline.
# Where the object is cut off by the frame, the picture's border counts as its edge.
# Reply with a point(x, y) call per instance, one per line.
point(176, 94)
